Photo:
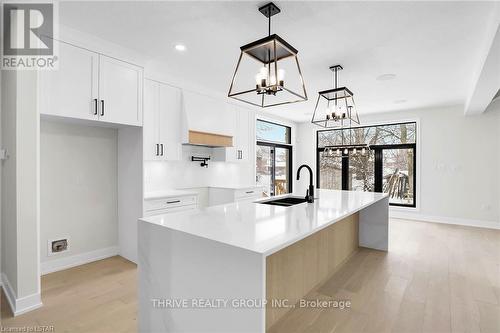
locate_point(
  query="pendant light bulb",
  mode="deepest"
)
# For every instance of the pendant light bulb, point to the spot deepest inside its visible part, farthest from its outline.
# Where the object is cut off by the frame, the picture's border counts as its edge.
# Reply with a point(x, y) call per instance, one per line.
point(272, 80)
point(346, 151)
point(338, 152)
point(258, 79)
point(262, 77)
point(354, 151)
point(363, 151)
point(281, 77)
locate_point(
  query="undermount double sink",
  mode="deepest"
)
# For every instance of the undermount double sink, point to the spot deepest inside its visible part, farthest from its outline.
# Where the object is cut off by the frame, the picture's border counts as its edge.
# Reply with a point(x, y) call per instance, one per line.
point(285, 202)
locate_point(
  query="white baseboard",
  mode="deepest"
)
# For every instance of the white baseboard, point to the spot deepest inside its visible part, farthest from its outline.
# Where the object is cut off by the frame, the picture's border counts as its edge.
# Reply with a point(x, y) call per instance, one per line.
point(445, 220)
point(19, 305)
point(55, 265)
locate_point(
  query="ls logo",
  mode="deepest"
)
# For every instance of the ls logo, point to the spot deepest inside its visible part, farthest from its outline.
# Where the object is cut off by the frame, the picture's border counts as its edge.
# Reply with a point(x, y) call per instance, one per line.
point(28, 29)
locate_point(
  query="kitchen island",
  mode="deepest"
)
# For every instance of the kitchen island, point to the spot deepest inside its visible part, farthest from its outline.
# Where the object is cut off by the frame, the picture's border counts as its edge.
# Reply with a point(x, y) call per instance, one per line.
point(239, 267)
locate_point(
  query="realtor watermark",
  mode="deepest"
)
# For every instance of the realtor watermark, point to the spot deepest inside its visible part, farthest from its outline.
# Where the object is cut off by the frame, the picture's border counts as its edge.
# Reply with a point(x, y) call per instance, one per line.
point(38, 328)
point(247, 303)
point(28, 33)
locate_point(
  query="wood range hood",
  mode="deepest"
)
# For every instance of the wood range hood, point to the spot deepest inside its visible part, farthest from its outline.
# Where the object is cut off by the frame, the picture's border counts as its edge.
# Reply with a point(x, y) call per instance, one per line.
point(206, 121)
point(198, 138)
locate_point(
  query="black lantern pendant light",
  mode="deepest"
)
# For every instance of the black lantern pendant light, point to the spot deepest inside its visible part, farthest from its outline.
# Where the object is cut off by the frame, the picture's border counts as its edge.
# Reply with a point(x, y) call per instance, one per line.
point(259, 78)
point(335, 107)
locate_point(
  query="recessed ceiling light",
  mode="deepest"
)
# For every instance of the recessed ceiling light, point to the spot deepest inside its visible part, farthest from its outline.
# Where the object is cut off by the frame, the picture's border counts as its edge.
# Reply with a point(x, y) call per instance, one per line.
point(180, 47)
point(386, 77)
point(400, 101)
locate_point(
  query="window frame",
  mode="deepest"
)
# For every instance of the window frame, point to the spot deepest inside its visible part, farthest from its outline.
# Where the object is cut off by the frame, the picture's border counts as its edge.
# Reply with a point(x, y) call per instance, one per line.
point(378, 162)
point(289, 130)
point(274, 145)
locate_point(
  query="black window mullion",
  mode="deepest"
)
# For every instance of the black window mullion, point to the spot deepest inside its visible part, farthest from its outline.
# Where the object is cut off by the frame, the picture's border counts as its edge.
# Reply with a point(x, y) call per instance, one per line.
point(273, 170)
point(345, 172)
point(378, 173)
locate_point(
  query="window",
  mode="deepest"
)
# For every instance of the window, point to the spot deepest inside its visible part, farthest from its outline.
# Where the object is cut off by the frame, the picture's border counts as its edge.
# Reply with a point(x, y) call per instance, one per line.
point(274, 158)
point(271, 132)
point(389, 166)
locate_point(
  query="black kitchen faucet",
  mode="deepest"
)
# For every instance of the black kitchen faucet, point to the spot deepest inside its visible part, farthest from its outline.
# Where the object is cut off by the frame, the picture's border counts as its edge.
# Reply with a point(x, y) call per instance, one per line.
point(310, 191)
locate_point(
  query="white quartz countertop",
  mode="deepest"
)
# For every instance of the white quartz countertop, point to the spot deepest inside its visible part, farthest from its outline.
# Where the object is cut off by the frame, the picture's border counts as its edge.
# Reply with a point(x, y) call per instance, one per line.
point(266, 229)
point(168, 194)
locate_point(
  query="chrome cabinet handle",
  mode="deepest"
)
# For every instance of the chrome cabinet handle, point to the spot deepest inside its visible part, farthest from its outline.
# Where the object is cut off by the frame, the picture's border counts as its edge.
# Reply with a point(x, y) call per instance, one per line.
point(157, 146)
point(249, 192)
point(95, 106)
point(161, 146)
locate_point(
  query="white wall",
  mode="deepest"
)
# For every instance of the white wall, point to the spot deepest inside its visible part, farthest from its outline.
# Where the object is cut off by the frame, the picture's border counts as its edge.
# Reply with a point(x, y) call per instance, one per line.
point(20, 196)
point(459, 163)
point(78, 171)
point(28, 129)
point(9, 230)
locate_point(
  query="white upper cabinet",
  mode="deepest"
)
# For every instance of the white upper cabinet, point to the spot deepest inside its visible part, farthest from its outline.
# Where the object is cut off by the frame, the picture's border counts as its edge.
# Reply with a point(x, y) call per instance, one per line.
point(151, 129)
point(120, 91)
point(170, 122)
point(92, 86)
point(243, 120)
point(162, 122)
point(72, 90)
point(243, 138)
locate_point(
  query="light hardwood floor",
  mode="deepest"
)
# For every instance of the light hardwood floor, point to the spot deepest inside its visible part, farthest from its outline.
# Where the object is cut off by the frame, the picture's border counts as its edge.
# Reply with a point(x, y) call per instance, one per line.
point(96, 297)
point(435, 278)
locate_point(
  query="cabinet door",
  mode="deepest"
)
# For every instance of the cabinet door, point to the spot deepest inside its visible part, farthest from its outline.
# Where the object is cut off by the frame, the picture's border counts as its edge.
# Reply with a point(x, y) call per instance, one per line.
point(243, 127)
point(150, 129)
point(170, 122)
point(71, 91)
point(120, 92)
point(232, 153)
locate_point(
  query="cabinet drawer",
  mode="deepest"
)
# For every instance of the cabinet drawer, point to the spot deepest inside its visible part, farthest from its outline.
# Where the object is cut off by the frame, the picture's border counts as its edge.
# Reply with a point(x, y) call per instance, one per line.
point(246, 199)
point(247, 192)
point(171, 202)
point(170, 210)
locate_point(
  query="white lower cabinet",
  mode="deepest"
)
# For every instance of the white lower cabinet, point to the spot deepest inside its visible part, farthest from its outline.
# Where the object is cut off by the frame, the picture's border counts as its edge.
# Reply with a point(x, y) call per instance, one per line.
point(162, 121)
point(221, 196)
point(92, 86)
point(170, 204)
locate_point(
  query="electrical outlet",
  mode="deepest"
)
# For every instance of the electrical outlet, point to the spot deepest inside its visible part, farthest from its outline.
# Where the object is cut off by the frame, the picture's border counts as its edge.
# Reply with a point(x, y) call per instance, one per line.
point(57, 246)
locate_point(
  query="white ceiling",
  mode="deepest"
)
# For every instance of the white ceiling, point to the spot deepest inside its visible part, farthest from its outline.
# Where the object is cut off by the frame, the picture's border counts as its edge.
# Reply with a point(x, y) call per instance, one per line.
point(433, 47)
